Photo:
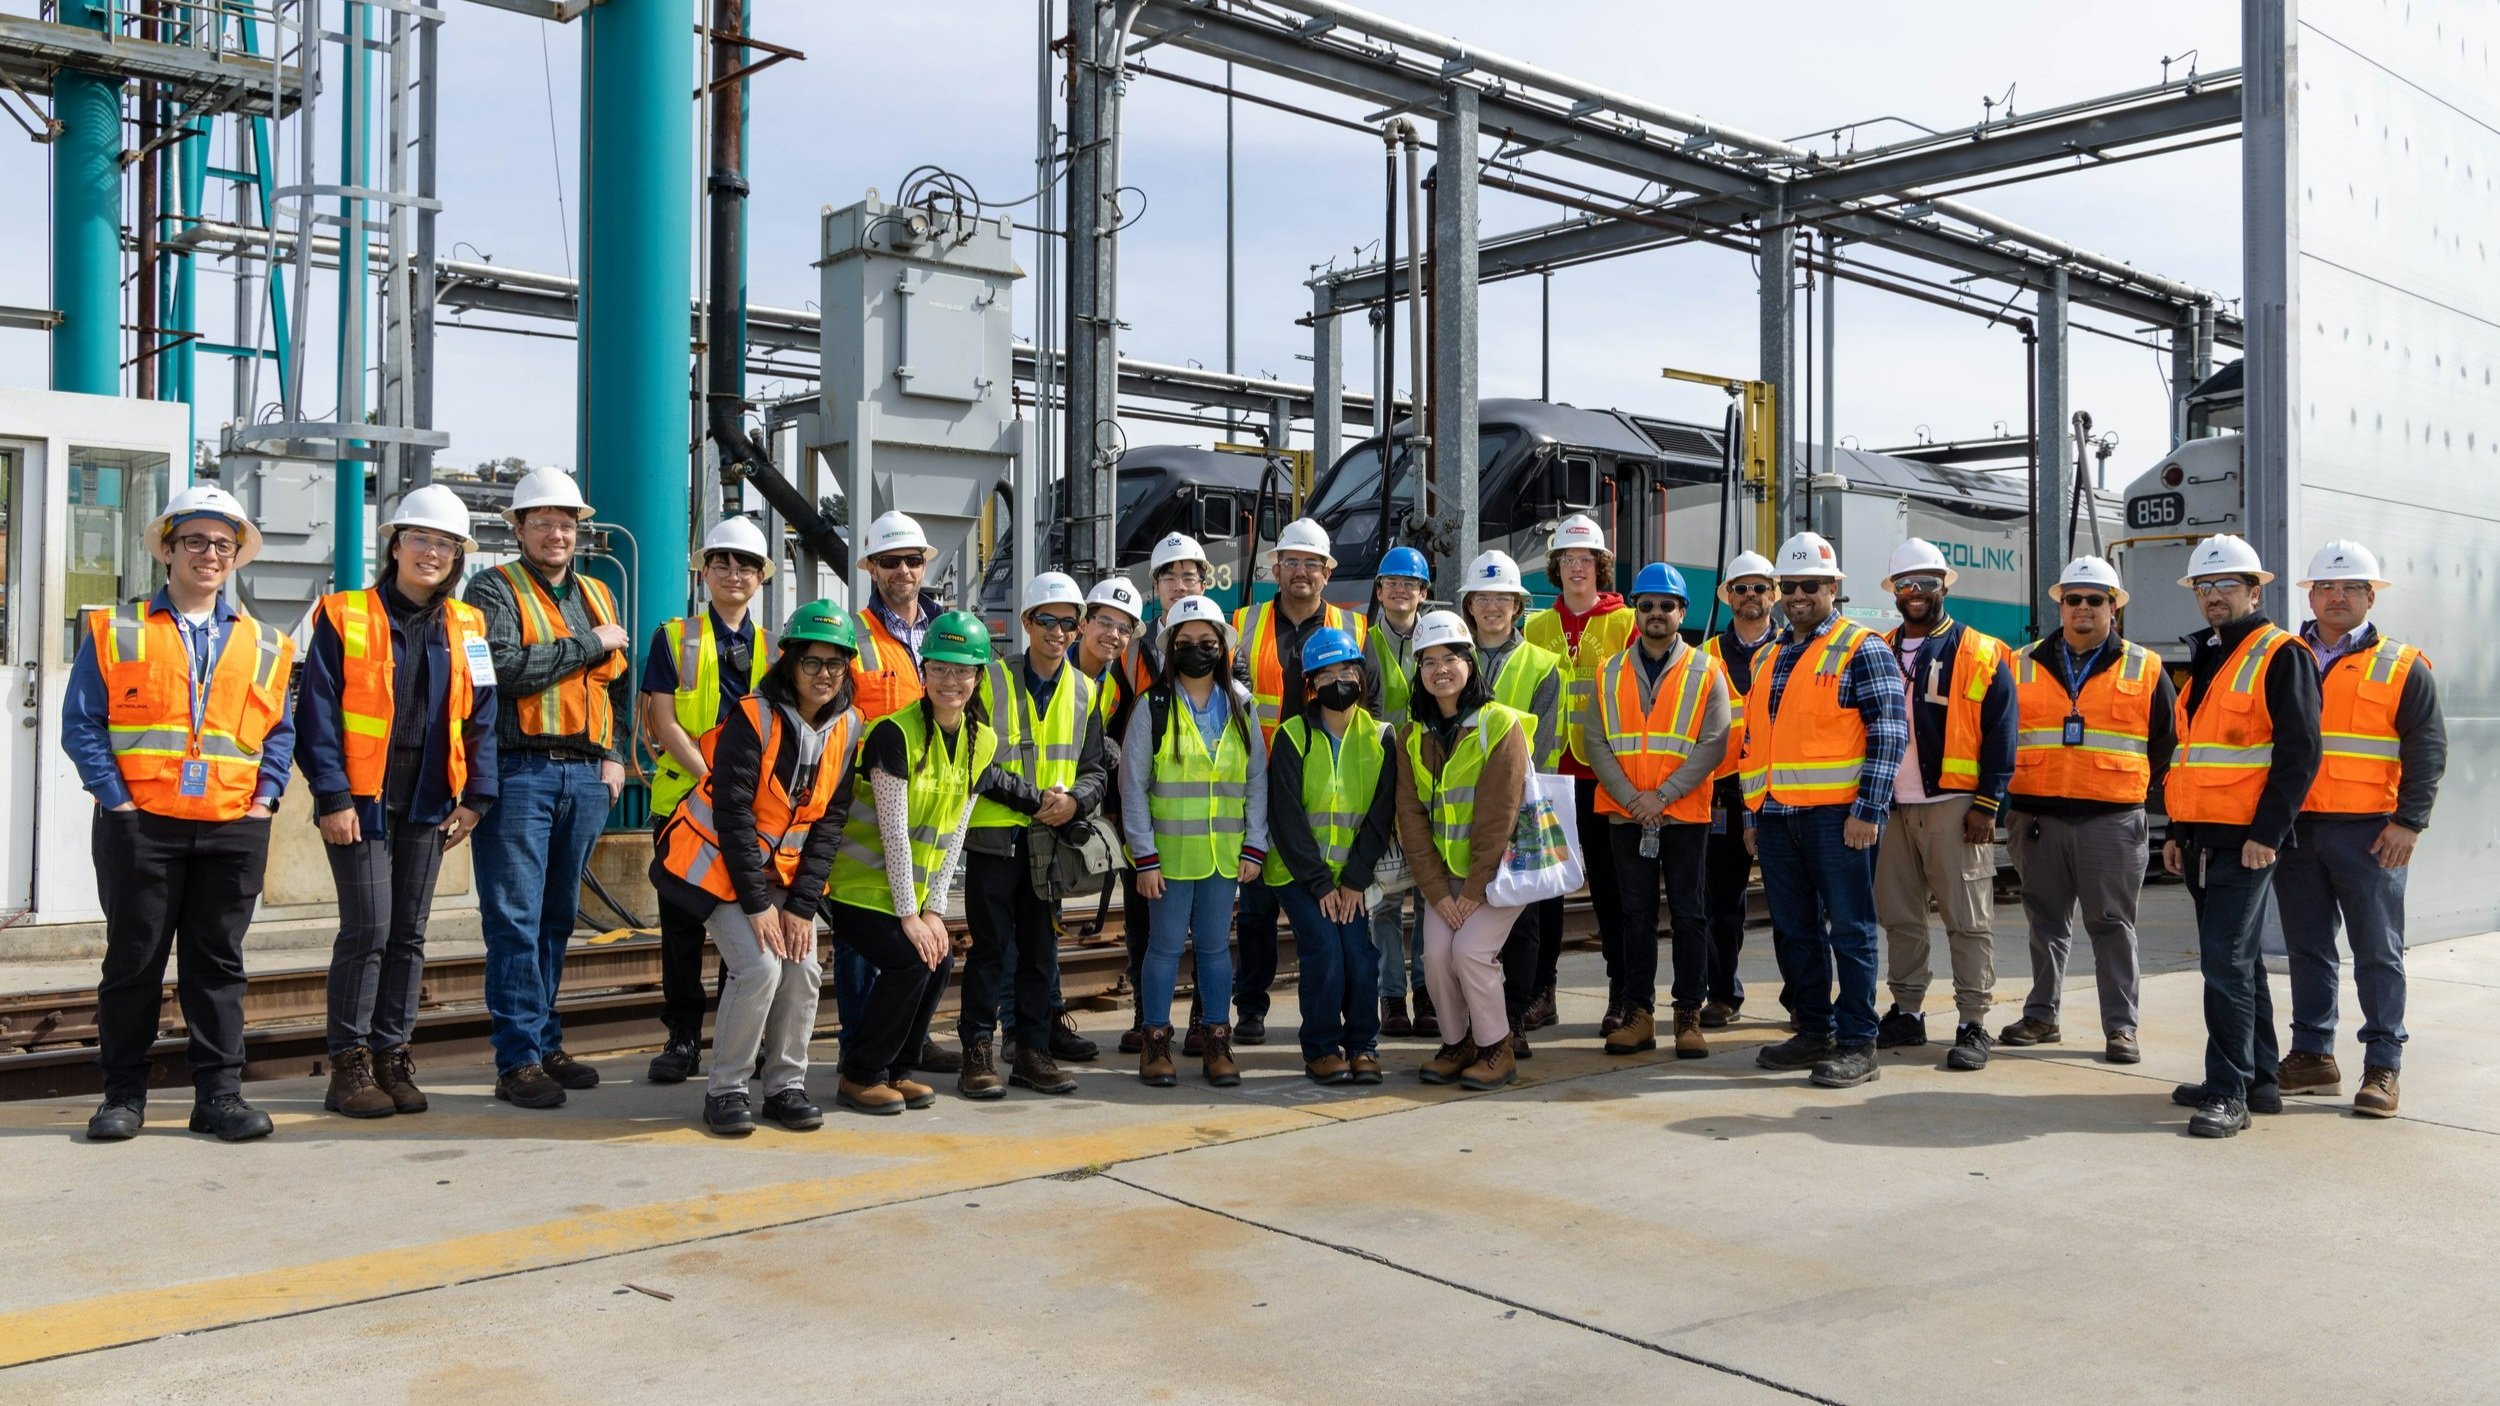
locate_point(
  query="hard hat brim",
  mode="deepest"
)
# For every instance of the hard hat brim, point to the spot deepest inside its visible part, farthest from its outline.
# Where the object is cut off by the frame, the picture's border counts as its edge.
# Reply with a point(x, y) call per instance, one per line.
point(1164, 629)
point(247, 538)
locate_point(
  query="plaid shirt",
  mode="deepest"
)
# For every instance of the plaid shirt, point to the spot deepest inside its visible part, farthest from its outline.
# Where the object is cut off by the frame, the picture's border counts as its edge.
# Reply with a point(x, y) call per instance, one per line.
point(1871, 683)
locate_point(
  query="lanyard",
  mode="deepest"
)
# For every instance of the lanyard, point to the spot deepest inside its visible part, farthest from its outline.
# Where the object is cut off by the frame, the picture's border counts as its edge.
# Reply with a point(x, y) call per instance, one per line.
point(2075, 680)
point(198, 643)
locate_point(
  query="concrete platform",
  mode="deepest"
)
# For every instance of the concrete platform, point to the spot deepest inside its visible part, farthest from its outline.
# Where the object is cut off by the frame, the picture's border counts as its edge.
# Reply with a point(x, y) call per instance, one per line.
point(1624, 1230)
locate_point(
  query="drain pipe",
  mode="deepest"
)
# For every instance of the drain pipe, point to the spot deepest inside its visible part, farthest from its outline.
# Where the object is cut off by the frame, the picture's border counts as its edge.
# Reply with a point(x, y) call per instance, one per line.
point(1421, 427)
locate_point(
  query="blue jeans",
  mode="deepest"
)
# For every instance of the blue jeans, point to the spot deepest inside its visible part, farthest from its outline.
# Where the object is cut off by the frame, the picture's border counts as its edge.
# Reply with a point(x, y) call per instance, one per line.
point(1822, 896)
point(2230, 898)
point(1196, 914)
point(853, 974)
point(1340, 978)
point(531, 849)
point(1398, 942)
point(2329, 872)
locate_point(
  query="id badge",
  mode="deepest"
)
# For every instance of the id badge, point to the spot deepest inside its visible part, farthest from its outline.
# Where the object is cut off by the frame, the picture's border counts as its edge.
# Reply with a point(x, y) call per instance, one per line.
point(195, 778)
point(2074, 730)
point(481, 664)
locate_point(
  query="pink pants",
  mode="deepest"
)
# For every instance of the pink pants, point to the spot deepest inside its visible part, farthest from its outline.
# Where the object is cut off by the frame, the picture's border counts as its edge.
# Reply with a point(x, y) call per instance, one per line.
point(1463, 971)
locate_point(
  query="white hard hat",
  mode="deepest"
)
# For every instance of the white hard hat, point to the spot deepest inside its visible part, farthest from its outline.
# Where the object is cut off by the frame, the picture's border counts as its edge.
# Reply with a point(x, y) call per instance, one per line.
point(1194, 610)
point(1577, 532)
point(1177, 546)
point(1492, 573)
point(2345, 560)
point(1809, 554)
point(1305, 536)
point(1116, 592)
point(1442, 627)
point(896, 532)
point(2224, 555)
point(545, 488)
point(436, 509)
point(2089, 571)
point(1916, 557)
point(1052, 588)
point(740, 534)
point(1742, 565)
point(209, 498)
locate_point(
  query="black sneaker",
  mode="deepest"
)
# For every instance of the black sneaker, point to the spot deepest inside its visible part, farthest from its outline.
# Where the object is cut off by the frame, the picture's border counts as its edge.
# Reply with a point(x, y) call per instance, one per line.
point(2218, 1116)
point(568, 1071)
point(230, 1118)
point(934, 1059)
point(1849, 1066)
point(1970, 1047)
point(677, 1063)
point(1800, 1052)
point(117, 1120)
point(792, 1109)
point(729, 1114)
point(529, 1087)
point(1250, 1030)
point(1066, 1043)
point(2262, 1098)
point(1899, 1028)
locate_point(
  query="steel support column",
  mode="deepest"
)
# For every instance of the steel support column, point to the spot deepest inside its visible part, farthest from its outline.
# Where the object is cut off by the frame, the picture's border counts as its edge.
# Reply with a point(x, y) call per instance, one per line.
point(1451, 402)
point(347, 564)
point(1092, 341)
point(1327, 382)
point(2269, 232)
point(2054, 482)
point(2183, 377)
point(87, 223)
point(1779, 368)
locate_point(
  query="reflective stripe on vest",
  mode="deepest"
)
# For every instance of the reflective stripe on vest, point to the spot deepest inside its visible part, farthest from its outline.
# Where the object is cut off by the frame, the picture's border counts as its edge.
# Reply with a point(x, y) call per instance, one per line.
point(939, 785)
point(1524, 671)
point(885, 677)
point(2363, 761)
point(1976, 659)
point(2114, 761)
point(575, 705)
point(1197, 799)
point(690, 843)
point(1391, 658)
point(697, 699)
point(1254, 627)
point(1805, 753)
point(1650, 743)
point(2227, 744)
point(1735, 712)
point(1338, 784)
point(1602, 637)
point(1449, 799)
point(1042, 749)
point(146, 669)
point(368, 687)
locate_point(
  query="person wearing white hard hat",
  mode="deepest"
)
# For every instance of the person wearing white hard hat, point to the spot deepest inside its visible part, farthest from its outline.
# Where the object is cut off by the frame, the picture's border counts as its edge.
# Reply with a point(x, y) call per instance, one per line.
point(1587, 625)
point(2249, 748)
point(2094, 740)
point(1826, 723)
point(563, 691)
point(1115, 626)
point(1494, 599)
point(395, 732)
point(1941, 846)
point(1747, 589)
point(2386, 750)
point(1177, 569)
point(695, 673)
point(898, 612)
point(176, 719)
point(1398, 590)
point(1269, 664)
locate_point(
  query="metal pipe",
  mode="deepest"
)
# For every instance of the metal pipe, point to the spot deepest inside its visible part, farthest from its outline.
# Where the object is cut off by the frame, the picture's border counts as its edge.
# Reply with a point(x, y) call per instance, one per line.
point(1385, 373)
point(87, 222)
point(347, 531)
point(1831, 355)
point(1545, 337)
point(1416, 351)
point(150, 159)
point(1106, 554)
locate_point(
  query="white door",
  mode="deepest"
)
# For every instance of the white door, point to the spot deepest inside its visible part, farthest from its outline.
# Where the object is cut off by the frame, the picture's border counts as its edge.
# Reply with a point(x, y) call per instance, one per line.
point(21, 648)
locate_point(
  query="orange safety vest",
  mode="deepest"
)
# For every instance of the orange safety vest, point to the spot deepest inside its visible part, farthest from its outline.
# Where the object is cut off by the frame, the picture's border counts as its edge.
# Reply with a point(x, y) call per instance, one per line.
point(1809, 750)
point(2357, 722)
point(885, 678)
point(2226, 746)
point(2114, 760)
point(147, 689)
point(690, 842)
point(1735, 714)
point(1650, 743)
point(367, 705)
point(577, 704)
point(1976, 659)
point(1255, 627)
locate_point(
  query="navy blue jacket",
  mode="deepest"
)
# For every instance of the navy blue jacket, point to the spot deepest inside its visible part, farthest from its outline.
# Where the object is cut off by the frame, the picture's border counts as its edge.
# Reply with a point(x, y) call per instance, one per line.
point(320, 748)
point(2000, 715)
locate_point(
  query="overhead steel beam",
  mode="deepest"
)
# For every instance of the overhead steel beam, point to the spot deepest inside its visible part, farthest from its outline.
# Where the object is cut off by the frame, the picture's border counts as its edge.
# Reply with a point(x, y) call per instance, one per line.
point(31, 51)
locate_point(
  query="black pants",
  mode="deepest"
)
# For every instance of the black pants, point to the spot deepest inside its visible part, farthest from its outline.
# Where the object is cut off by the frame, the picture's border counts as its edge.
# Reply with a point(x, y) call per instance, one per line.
point(1678, 866)
point(1254, 965)
point(894, 1020)
point(377, 963)
point(1521, 952)
point(1604, 897)
point(164, 882)
point(1007, 916)
point(1729, 869)
point(683, 942)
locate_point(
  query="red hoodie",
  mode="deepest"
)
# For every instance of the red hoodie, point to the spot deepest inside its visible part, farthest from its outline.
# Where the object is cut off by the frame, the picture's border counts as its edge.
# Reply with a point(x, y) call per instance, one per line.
point(1572, 624)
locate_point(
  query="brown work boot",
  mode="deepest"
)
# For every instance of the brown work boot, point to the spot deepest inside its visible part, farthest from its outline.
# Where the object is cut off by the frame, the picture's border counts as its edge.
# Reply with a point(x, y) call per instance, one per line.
point(1133, 1039)
point(1330, 1068)
point(1363, 1069)
point(1717, 1015)
point(1540, 1012)
point(1036, 1070)
point(1445, 1066)
point(1638, 1032)
point(397, 1074)
point(1217, 1063)
point(1494, 1070)
point(1427, 1024)
point(979, 1077)
point(1519, 1048)
point(915, 1094)
point(1154, 1057)
point(352, 1090)
point(1688, 1041)
point(1393, 1021)
point(2306, 1073)
point(2377, 1098)
point(2027, 1031)
point(868, 1098)
point(1194, 1044)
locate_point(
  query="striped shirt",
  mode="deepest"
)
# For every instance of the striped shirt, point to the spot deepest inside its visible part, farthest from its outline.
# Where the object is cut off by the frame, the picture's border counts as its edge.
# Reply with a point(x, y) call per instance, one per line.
point(1871, 683)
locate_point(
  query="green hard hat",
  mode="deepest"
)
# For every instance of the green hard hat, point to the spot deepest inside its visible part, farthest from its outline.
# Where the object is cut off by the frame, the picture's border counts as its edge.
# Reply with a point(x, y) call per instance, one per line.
point(957, 637)
point(822, 622)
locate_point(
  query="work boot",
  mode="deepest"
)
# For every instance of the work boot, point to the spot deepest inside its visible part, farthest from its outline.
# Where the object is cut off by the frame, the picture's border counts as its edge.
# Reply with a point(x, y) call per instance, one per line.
point(1520, 1052)
point(793, 1109)
point(729, 1114)
point(1217, 1063)
point(1446, 1065)
point(1638, 1032)
point(1194, 1044)
point(1066, 1043)
point(1250, 1030)
point(677, 1062)
point(2028, 1031)
point(1427, 1024)
point(937, 1059)
point(1133, 1039)
point(2377, 1098)
point(1849, 1066)
point(1330, 1068)
point(1688, 1041)
point(352, 1090)
point(915, 1094)
point(568, 1071)
point(1393, 1021)
point(2306, 1073)
point(120, 1118)
point(1541, 1011)
point(2219, 1115)
point(2262, 1098)
point(1899, 1028)
point(1795, 1053)
point(230, 1118)
point(2122, 1049)
point(397, 1074)
point(979, 1078)
point(1036, 1070)
point(1154, 1057)
point(880, 1099)
point(1612, 1020)
point(529, 1087)
point(1970, 1047)
point(1363, 1068)
point(1717, 1015)
point(1492, 1071)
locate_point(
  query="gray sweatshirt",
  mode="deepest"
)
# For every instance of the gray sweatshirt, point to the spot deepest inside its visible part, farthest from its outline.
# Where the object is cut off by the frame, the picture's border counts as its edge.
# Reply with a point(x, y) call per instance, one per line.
point(1137, 769)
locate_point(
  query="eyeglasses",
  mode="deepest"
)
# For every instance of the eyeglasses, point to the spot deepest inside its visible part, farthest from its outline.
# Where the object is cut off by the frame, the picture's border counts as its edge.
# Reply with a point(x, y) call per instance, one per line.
point(900, 561)
point(935, 673)
point(427, 544)
point(1187, 579)
point(552, 524)
point(1801, 588)
point(2217, 588)
point(1917, 585)
point(1450, 660)
point(1301, 565)
point(2082, 599)
point(816, 666)
point(2341, 588)
point(1054, 624)
point(728, 565)
point(1659, 607)
point(1750, 588)
point(1111, 625)
point(222, 548)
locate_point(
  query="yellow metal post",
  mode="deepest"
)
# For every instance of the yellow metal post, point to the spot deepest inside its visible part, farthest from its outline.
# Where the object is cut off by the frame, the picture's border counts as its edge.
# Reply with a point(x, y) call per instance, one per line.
point(1757, 465)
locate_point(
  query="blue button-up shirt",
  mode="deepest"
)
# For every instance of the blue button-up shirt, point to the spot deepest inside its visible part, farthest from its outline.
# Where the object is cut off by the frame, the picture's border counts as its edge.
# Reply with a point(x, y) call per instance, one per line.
point(1871, 683)
point(2353, 642)
point(86, 733)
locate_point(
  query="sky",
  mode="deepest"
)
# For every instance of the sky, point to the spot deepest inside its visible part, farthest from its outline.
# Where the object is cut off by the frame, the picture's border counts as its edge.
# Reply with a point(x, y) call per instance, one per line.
point(886, 88)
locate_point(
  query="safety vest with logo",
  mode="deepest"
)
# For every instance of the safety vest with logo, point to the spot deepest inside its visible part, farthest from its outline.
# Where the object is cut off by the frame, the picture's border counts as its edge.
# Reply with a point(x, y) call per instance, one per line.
point(1602, 637)
point(2226, 746)
point(1976, 659)
point(941, 781)
point(885, 677)
point(1255, 627)
point(2357, 722)
point(577, 704)
point(1809, 750)
point(1391, 658)
point(1735, 712)
point(697, 701)
point(368, 679)
point(147, 688)
point(1040, 746)
point(1523, 672)
point(1650, 743)
point(1449, 799)
point(1197, 797)
point(2114, 760)
point(1338, 784)
point(690, 843)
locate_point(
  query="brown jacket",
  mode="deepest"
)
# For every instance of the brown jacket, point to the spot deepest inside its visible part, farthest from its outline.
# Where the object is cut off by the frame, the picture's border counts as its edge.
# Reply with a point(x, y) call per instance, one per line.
point(1498, 789)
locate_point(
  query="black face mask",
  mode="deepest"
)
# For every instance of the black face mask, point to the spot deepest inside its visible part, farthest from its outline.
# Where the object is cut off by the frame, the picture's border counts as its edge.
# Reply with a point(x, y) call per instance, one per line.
point(1339, 694)
point(1196, 660)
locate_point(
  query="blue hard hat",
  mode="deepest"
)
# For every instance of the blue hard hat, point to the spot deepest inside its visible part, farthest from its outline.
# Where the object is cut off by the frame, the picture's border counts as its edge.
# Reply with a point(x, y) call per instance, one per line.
point(1405, 561)
point(1328, 646)
point(1660, 579)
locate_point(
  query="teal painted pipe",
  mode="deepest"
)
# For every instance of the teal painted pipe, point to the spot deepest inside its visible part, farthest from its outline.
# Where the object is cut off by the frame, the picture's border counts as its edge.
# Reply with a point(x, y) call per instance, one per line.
point(347, 533)
point(182, 360)
point(262, 187)
point(636, 248)
point(87, 224)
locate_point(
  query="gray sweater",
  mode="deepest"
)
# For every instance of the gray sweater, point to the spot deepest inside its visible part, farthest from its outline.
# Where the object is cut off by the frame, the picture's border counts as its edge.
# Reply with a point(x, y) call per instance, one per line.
point(1137, 770)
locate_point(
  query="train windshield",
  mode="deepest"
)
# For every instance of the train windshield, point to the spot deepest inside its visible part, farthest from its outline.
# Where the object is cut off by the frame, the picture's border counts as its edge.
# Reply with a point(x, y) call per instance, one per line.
point(1347, 502)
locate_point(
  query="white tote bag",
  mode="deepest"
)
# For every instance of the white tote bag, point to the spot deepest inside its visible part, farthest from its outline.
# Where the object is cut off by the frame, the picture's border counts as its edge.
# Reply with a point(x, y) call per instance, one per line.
point(1542, 860)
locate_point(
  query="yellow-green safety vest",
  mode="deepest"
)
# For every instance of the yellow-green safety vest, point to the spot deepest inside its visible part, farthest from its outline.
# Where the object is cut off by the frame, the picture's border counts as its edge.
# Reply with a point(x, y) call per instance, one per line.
point(940, 783)
point(1391, 658)
point(1515, 687)
point(1042, 749)
point(1449, 800)
point(1338, 784)
point(697, 701)
point(1198, 800)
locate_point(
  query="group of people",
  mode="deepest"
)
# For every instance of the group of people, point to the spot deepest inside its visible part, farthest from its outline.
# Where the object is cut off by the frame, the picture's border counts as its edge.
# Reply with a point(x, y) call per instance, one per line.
point(1363, 774)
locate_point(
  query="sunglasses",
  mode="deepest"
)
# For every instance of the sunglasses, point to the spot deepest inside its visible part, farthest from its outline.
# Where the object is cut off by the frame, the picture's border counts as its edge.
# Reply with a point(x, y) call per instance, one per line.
point(1659, 607)
point(899, 561)
point(2216, 588)
point(1917, 585)
point(1053, 624)
point(1750, 588)
point(2082, 599)
point(1801, 588)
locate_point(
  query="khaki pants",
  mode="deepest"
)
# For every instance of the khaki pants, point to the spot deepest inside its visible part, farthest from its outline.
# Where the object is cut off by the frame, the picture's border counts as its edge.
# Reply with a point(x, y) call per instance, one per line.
point(1924, 854)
